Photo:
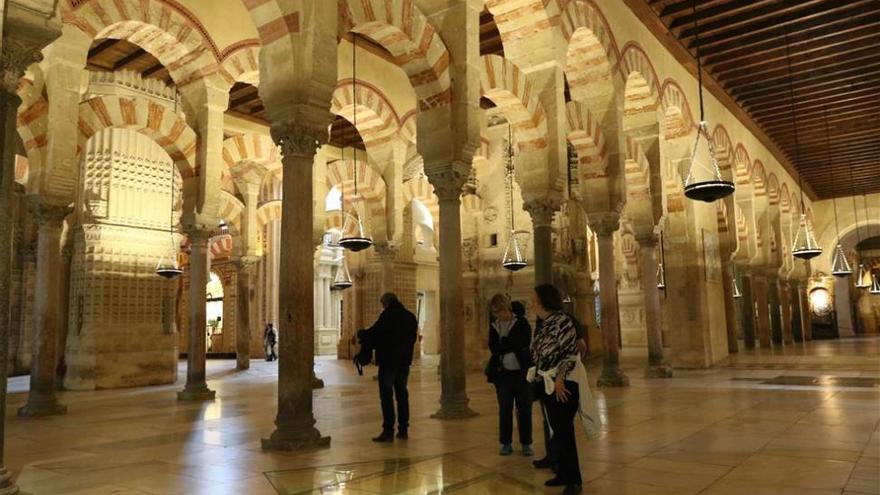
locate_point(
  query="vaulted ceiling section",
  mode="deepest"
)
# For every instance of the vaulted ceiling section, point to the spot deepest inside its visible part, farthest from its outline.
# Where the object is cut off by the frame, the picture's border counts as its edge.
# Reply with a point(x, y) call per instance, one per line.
point(835, 64)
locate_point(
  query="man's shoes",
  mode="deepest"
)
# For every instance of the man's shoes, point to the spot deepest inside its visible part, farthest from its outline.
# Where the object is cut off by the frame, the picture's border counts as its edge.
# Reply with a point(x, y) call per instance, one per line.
point(572, 490)
point(506, 449)
point(555, 481)
point(402, 434)
point(543, 463)
point(528, 451)
point(385, 437)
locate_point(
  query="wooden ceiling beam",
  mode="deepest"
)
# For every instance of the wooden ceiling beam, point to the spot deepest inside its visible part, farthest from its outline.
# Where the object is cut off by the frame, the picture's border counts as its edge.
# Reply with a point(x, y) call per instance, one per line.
point(129, 59)
point(805, 95)
point(760, 16)
point(832, 101)
point(103, 45)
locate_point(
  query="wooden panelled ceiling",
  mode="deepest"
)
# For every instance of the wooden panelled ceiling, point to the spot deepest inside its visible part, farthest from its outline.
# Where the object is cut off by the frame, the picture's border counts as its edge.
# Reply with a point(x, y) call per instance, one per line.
point(111, 55)
point(835, 64)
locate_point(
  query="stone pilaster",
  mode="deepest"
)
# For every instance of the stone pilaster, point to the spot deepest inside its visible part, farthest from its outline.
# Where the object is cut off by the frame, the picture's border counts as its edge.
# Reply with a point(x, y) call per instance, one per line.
point(295, 421)
point(747, 311)
point(604, 225)
point(762, 313)
point(453, 369)
point(775, 302)
point(196, 387)
point(806, 314)
point(657, 367)
point(542, 212)
point(243, 312)
point(785, 312)
point(42, 400)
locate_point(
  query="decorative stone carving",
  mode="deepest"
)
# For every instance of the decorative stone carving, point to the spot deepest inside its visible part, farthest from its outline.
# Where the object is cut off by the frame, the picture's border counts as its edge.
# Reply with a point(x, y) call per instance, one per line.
point(490, 214)
point(47, 214)
point(297, 139)
point(469, 248)
point(448, 184)
point(15, 58)
point(605, 223)
point(542, 210)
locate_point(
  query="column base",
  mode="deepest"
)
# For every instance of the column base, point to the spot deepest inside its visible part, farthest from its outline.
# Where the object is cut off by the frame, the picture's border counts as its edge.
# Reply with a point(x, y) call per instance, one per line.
point(613, 379)
point(7, 486)
point(295, 440)
point(196, 394)
point(658, 371)
point(457, 409)
point(39, 405)
point(317, 382)
point(243, 365)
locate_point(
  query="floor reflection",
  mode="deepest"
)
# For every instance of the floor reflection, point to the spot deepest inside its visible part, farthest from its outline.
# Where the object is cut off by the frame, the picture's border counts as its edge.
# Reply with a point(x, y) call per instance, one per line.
point(411, 476)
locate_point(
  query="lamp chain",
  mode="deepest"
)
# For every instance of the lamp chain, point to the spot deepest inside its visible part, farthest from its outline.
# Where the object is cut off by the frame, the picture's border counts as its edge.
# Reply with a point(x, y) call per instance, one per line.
point(797, 152)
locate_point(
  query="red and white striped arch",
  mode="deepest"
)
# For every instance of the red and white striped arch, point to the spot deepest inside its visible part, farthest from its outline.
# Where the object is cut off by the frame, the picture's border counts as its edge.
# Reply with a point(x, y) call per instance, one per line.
point(377, 121)
point(402, 29)
point(772, 189)
point(506, 85)
point(267, 212)
point(723, 150)
point(586, 136)
point(221, 247)
point(158, 122)
point(241, 63)
point(743, 166)
point(759, 179)
point(230, 211)
point(642, 90)
point(679, 118)
point(637, 172)
point(420, 189)
point(249, 157)
point(521, 19)
point(784, 199)
point(592, 51)
point(371, 186)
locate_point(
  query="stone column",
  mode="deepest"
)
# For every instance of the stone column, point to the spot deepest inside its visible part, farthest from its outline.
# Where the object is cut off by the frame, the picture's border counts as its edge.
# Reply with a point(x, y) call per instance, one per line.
point(42, 400)
point(657, 367)
point(730, 307)
point(542, 212)
point(196, 387)
point(785, 313)
point(795, 302)
point(763, 310)
point(747, 311)
point(453, 369)
point(774, 302)
point(806, 314)
point(295, 421)
point(843, 307)
point(245, 281)
point(604, 225)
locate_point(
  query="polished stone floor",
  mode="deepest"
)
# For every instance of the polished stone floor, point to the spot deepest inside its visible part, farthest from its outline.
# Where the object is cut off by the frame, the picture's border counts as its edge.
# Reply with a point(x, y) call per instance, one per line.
point(735, 429)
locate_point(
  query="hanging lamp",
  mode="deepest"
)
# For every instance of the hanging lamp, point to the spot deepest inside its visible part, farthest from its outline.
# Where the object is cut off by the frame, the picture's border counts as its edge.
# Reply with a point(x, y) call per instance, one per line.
point(737, 294)
point(804, 246)
point(862, 278)
point(713, 189)
point(875, 280)
point(840, 266)
point(354, 235)
point(168, 266)
point(513, 259)
point(342, 280)
point(661, 271)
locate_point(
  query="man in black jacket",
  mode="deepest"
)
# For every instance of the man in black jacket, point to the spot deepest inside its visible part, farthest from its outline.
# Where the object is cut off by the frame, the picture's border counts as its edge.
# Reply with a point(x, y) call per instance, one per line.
point(393, 337)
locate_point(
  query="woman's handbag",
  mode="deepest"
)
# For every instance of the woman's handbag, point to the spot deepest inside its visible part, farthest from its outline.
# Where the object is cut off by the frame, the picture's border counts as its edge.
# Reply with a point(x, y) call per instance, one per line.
point(493, 369)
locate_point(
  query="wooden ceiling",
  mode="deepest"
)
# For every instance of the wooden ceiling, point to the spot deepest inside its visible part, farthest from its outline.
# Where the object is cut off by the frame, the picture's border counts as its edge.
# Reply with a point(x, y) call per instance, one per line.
point(245, 102)
point(111, 55)
point(835, 69)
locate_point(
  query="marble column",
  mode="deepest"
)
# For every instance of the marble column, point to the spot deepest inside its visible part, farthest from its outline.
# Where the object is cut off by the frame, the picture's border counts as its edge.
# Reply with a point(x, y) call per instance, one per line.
point(657, 367)
point(196, 387)
point(843, 307)
point(730, 307)
point(42, 400)
point(8, 106)
point(747, 311)
point(542, 212)
point(245, 282)
point(763, 310)
point(295, 421)
point(806, 314)
point(604, 225)
point(785, 312)
point(795, 302)
point(453, 369)
point(774, 302)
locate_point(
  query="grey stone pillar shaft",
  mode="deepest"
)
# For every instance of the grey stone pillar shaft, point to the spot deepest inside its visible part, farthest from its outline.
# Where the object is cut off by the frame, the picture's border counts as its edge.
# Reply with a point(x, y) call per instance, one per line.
point(774, 302)
point(843, 307)
point(542, 212)
point(42, 400)
point(453, 368)
point(747, 312)
point(657, 367)
point(612, 376)
point(295, 421)
point(196, 387)
point(763, 311)
point(785, 313)
point(8, 106)
point(243, 318)
point(796, 318)
point(806, 314)
point(730, 308)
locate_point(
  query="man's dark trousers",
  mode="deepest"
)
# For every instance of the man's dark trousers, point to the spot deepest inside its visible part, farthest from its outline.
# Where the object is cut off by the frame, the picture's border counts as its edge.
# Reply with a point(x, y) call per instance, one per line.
point(392, 384)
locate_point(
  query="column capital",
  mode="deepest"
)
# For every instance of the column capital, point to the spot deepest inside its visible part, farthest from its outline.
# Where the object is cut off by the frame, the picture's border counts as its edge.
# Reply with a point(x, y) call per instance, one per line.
point(245, 262)
point(15, 58)
point(298, 139)
point(47, 213)
point(385, 252)
point(198, 235)
point(647, 236)
point(542, 210)
point(604, 223)
point(448, 183)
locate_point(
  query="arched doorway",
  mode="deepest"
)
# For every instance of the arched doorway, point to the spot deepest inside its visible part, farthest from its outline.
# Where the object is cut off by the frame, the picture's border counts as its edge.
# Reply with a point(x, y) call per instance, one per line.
point(214, 313)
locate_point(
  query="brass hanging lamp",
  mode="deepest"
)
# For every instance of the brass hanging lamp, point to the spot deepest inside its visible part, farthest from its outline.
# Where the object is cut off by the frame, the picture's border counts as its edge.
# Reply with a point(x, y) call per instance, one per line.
point(355, 236)
point(661, 271)
point(168, 267)
point(714, 188)
point(863, 280)
point(513, 258)
point(342, 280)
point(875, 280)
point(804, 246)
point(840, 266)
point(737, 294)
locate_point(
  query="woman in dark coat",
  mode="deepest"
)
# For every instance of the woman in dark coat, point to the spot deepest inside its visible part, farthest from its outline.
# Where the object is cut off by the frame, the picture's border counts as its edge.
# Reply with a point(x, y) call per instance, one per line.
point(509, 340)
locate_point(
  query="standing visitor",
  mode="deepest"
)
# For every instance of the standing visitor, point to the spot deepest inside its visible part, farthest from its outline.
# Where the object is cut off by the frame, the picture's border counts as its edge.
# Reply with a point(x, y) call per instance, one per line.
point(270, 338)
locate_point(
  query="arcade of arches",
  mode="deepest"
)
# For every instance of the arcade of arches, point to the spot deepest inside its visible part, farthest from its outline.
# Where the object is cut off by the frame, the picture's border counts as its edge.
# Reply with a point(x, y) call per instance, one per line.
point(222, 136)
